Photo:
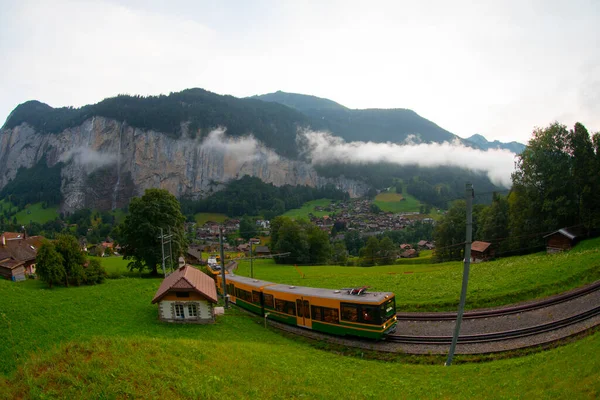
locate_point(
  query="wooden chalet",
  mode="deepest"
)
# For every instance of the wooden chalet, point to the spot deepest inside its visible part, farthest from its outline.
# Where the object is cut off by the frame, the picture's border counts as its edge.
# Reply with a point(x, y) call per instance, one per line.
point(17, 255)
point(481, 251)
point(193, 255)
point(186, 296)
point(261, 251)
point(562, 239)
point(409, 253)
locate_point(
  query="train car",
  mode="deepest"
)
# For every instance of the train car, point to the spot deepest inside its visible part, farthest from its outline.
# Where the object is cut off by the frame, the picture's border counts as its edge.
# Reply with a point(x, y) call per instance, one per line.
point(354, 312)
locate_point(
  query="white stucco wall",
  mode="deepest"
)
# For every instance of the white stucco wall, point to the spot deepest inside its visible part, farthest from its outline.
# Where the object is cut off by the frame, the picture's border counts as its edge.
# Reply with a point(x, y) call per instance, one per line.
point(204, 309)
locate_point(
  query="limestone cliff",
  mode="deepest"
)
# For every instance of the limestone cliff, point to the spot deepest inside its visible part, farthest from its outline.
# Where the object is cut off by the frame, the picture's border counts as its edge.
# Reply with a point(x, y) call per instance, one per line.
point(106, 162)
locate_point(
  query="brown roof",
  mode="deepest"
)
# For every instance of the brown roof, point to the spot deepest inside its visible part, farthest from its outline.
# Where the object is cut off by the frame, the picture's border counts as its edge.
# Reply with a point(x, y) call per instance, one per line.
point(188, 277)
point(12, 235)
point(20, 250)
point(10, 264)
point(480, 246)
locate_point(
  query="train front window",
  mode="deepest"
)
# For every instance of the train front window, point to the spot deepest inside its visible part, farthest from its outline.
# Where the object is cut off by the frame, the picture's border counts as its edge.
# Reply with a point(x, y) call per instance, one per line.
point(369, 315)
point(388, 309)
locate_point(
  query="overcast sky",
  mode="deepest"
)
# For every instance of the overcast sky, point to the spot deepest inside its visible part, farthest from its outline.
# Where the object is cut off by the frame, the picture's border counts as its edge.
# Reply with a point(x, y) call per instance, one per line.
point(498, 68)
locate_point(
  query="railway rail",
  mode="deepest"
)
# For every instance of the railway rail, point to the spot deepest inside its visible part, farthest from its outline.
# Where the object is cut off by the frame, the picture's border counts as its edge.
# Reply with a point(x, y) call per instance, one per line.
point(497, 336)
point(446, 316)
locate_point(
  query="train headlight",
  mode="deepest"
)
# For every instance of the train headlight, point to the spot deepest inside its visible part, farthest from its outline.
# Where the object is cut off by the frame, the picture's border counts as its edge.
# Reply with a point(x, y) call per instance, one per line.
point(395, 318)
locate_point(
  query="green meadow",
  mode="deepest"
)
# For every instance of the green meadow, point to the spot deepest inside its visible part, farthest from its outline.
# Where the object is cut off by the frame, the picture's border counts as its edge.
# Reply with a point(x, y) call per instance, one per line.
point(36, 213)
point(309, 208)
point(436, 287)
point(397, 202)
point(202, 218)
point(105, 342)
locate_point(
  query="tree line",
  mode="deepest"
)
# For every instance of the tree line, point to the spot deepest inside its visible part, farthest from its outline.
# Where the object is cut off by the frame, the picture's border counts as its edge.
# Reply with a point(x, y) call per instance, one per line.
point(555, 185)
point(251, 196)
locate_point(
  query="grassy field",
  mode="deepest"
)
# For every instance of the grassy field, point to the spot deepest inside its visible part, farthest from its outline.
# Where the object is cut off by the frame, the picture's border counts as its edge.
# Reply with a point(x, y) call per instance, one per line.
point(105, 342)
point(436, 287)
point(7, 205)
point(36, 213)
point(309, 207)
point(392, 201)
point(202, 218)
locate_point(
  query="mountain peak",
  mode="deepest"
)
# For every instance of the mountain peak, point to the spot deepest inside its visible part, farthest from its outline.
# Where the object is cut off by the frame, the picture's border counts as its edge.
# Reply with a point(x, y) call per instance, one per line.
point(301, 102)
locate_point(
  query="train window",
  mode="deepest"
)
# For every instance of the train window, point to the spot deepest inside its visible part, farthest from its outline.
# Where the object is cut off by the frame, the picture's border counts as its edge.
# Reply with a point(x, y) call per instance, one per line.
point(369, 315)
point(287, 307)
point(306, 309)
point(331, 315)
point(299, 307)
point(231, 289)
point(269, 302)
point(349, 312)
point(317, 313)
point(325, 314)
point(243, 294)
point(255, 297)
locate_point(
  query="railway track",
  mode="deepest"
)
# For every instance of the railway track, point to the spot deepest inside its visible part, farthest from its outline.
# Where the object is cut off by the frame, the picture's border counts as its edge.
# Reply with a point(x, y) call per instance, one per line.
point(446, 316)
point(497, 336)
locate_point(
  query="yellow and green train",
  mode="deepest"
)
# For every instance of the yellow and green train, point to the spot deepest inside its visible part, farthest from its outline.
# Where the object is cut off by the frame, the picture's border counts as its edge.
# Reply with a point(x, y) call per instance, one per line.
point(353, 312)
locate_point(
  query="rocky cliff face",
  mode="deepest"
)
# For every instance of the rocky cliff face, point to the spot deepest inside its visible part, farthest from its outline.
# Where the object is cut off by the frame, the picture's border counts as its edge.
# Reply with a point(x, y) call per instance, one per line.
point(106, 162)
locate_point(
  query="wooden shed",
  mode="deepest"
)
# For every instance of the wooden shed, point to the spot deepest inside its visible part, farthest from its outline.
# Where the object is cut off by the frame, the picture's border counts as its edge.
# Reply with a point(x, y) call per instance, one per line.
point(561, 240)
point(481, 251)
point(187, 295)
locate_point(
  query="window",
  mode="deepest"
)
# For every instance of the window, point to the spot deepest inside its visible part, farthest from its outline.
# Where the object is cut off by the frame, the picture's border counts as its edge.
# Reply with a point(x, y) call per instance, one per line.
point(325, 314)
point(243, 294)
point(299, 307)
point(192, 310)
point(179, 311)
point(369, 315)
point(269, 301)
point(182, 294)
point(287, 307)
point(255, 297)
point(349, 312)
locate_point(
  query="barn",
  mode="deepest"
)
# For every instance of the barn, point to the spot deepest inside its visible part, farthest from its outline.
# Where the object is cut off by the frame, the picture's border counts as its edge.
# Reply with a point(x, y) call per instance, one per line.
point(481, 251)
point(186, 296)
point(561, 240)
point(17, 255)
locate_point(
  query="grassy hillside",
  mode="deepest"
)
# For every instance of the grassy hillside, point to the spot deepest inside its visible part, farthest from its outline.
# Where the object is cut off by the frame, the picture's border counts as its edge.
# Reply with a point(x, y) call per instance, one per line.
point(202, 218)
point(397, 202)
point(436, 287)
point(309, 207)
point(105, 342)
point(35, 213)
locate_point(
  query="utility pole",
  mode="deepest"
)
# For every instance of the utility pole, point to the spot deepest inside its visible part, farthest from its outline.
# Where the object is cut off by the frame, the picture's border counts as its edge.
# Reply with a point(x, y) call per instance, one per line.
point(463, 294)
point(225, 298)
point(251, 262)
point(162, 249)
point(170, 249)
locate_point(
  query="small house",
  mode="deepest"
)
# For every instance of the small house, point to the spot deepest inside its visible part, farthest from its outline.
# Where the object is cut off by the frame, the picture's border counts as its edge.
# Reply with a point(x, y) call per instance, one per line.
point(17, 255)
point(481, 251)
point(262, 251)
point(193, 255)
point(405, 246)
point(561, 240)
point(424, 244)
point(188, 296)
point(409, 253)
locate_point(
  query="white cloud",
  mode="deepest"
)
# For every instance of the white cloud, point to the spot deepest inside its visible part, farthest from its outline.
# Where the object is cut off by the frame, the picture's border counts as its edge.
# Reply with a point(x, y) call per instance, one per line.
point(243, 149)
point(323, 148)
point(90, 158)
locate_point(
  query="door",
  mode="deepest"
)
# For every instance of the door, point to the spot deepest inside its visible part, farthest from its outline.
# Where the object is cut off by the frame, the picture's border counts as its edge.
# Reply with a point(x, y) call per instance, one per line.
point(303, 313)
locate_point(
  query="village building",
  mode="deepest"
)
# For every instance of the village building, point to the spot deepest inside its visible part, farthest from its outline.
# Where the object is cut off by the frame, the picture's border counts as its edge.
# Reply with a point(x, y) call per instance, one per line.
point(193, 255)
point(261, 251)
point(481, 251)
point(17, 255)
point(186, 296)
point(410, 253)
point(561, 240)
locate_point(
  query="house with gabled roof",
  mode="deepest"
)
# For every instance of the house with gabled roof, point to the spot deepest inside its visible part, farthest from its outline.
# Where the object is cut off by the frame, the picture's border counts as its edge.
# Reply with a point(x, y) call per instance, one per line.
point(187, 296)
point(562, 239)
point(481, 251)
point(17, 255)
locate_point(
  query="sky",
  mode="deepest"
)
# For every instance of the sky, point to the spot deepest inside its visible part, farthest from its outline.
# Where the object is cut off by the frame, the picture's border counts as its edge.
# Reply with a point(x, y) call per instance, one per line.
point(497, 68)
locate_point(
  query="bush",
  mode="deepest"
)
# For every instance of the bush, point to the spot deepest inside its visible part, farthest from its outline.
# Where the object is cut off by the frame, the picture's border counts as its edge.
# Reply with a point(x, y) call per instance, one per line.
point(94, 273)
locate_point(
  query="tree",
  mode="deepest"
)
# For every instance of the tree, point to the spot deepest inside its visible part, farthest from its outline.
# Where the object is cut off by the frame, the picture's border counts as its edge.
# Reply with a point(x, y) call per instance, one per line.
point(449, 233)
point(139, 233)
point(94, 273)
point(370, 252)
point(318, 243)
point(374, 208)
point(353, 242)
point(387, 251)
point(49, 265)
point(247, 227)
point(339, 253)
point(73, 258)
point(493, 222)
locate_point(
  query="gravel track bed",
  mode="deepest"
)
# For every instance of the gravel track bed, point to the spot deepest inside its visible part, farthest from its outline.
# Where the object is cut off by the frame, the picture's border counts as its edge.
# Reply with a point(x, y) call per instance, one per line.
point(521, 320)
